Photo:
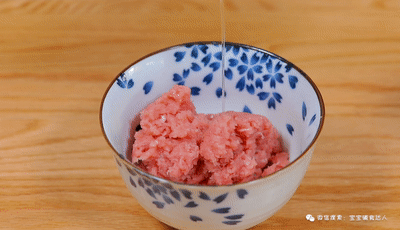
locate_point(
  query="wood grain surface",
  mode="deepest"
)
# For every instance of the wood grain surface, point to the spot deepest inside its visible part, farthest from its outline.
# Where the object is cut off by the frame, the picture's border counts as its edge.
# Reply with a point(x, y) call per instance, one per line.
point(58, 57)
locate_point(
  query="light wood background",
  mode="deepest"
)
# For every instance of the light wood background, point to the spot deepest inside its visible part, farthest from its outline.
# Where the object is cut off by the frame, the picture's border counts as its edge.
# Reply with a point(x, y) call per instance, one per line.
point(58, 57)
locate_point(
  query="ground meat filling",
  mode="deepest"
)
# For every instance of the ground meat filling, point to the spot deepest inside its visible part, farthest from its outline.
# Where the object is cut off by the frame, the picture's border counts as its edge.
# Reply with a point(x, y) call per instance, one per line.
point(178, 144)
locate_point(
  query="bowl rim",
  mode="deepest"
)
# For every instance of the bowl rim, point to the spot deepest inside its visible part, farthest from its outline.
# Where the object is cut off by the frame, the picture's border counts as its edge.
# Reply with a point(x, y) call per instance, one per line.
point(163, 180)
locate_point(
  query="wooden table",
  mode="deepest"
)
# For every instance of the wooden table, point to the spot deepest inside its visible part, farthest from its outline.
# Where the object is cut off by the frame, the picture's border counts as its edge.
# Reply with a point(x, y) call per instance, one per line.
point(58, 57)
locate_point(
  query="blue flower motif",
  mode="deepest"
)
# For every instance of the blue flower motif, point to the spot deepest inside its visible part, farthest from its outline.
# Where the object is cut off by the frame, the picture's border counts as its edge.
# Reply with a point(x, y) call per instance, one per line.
point(195, 218)
point(161, 200)
point(204, 59)
point(271, 102)
point(231, 222)
point(159, 204)
point(290, 129)
point(179, 56)
point(123, 82)
point(222, 210)
point(288, 67)
point(304, 114)
point(195, 91)
point(274, 75)
point(248, 67)
point(191, 204)
point(235, 49)
point(293, 81)
point(221, 198)
point(242, 193)
point(176, 195)
point(147, 87)
point(304, 111)
point(218, 92)
point(275, 97)
point(312, 119)
point(204, 196)
point(196, 48)
point(180, 79)
point(167, 199)
point(195, 67)
point(132, 182)
point(214, 65)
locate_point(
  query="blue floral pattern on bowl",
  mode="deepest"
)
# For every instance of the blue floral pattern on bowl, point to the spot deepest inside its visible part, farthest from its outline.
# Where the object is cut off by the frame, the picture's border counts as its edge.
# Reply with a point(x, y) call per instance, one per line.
point(163, 194)
point(256, 81)
point(254, 71)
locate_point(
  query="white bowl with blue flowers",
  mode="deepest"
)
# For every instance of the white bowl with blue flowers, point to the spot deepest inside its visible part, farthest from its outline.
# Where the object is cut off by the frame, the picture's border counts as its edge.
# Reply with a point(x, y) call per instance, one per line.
point(256, 81)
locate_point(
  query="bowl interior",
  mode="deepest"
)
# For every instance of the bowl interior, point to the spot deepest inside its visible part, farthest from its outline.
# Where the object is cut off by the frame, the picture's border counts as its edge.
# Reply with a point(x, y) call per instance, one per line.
point(256, 81)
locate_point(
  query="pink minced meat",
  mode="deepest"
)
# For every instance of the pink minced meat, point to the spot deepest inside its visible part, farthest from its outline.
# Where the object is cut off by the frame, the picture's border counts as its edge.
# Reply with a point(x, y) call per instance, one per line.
point(178, 144)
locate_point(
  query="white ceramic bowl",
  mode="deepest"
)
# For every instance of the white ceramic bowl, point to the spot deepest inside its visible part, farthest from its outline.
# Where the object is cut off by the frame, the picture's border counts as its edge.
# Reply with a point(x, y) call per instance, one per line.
point(256, 81)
